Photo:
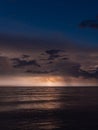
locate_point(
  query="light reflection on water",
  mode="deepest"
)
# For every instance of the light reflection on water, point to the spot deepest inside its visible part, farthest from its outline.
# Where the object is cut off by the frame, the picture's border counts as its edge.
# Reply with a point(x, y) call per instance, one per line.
point(44, 105)
point(45, 98)
point(30, 98)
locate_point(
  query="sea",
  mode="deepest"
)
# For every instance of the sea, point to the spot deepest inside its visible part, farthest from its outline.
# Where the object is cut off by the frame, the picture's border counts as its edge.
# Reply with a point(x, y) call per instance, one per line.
point(48, 108)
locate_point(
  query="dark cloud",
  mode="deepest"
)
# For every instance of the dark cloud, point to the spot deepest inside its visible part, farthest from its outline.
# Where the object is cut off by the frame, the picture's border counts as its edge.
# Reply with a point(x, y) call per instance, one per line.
point(25, 56)
point(53, 51)
point(86, 74)
point(40, 72)
point(65, 58)
point(68, 68)
point(53, 54)
point(73, 69)
point(89, 23)
point(21, 63)
point(62, 66)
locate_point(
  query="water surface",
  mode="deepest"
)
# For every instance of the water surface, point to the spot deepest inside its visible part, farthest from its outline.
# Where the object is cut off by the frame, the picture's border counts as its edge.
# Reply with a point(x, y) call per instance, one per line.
point(48, 108)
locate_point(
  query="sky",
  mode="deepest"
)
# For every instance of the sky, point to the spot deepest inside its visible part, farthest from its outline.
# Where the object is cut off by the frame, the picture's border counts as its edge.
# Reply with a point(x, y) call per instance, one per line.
point(48, 42)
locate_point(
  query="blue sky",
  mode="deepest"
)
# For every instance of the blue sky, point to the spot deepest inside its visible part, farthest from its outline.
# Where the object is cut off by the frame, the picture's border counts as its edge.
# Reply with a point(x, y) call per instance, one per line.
point(42, 17)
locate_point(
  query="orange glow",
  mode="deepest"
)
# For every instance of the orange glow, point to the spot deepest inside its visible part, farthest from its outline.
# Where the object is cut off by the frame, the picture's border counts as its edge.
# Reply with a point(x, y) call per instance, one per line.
point(52, 80)
point(45, 80)
point(33, 81)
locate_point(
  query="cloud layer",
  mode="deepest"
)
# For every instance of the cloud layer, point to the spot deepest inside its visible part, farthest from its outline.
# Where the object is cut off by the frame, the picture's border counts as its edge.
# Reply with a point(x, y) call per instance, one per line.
point(66, 62)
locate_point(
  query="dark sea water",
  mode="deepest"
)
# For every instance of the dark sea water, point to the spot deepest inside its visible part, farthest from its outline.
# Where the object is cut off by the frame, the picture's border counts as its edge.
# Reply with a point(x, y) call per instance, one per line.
point(48, 108)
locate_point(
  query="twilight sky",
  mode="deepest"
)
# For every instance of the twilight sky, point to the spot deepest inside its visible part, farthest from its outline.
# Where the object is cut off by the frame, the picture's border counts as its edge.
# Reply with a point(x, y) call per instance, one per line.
point(48, 42)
